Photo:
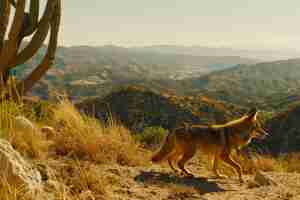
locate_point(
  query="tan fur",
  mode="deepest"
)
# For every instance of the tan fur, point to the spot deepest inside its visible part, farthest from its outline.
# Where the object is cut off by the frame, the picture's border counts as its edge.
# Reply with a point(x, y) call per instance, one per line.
point(216, 140)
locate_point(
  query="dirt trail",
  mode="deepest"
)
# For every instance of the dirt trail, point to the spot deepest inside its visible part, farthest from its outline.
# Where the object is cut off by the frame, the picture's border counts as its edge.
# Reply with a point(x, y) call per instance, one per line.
point(157, 182)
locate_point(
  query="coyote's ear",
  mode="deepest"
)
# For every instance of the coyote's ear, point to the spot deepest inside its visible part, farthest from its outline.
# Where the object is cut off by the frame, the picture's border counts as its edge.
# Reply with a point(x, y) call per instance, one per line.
point(252, 114)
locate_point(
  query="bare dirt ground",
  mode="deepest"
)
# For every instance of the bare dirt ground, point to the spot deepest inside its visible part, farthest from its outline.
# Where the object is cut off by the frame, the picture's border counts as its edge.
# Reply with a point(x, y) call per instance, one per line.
point(158, 182)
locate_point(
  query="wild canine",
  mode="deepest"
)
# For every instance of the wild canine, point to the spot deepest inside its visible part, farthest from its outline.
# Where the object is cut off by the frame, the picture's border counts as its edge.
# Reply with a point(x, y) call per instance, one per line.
point(217, 140)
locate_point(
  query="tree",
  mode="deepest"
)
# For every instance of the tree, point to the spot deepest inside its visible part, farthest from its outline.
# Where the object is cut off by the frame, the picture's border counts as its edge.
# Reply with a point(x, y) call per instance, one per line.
point(26, 24)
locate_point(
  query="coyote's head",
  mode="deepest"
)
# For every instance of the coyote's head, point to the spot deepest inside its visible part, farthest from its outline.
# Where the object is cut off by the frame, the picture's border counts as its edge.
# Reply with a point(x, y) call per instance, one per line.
point(256, 129)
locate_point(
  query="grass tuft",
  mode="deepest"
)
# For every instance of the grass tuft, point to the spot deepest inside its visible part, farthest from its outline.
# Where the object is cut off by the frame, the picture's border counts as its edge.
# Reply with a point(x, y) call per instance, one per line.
point(85, 138)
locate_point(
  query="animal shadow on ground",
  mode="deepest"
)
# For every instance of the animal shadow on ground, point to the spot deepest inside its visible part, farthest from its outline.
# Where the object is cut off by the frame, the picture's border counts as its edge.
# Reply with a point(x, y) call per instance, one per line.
point(201, 184)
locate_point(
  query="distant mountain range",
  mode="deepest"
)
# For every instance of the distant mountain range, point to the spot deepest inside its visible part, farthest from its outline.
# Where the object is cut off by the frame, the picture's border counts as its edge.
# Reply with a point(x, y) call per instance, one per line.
point(94, 71)
point(262, 55)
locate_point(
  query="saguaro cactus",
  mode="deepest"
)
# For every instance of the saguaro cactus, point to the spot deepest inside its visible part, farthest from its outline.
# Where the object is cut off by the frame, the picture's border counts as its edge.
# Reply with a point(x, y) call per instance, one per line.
point(27, 24)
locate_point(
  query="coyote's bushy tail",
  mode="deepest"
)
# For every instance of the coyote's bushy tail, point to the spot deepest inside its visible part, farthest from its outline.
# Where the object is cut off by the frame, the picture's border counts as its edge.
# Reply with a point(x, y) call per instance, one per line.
point(165, 150)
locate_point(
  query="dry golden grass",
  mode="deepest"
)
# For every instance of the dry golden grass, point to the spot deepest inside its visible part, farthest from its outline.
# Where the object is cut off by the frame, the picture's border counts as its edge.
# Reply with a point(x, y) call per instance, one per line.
point(283, 163)
point(79, 139)
point(85, 138)
point(9, 192)
point(8, 110)
point(78, 180)
point(29, 143)
point(259, 162)
point(289, 162)
point(78, 136)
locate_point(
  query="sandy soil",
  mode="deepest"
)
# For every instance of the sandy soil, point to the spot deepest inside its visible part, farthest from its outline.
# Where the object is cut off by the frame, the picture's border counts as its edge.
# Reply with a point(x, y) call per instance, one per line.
point(158, 182)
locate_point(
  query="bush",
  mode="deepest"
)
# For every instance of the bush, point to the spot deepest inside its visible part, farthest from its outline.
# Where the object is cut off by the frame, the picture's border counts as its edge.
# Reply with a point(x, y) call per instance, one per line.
point(151, 137)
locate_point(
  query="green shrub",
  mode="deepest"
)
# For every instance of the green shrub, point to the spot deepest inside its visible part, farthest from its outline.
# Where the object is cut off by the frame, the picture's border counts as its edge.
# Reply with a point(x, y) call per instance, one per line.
point(151, 136)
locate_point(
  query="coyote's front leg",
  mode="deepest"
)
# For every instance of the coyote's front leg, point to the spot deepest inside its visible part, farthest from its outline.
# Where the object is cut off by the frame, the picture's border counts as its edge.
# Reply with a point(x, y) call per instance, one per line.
point(215, 168)
point(226, 158)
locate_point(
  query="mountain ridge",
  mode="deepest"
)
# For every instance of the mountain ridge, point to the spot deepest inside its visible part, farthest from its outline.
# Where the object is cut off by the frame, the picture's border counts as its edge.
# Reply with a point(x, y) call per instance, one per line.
point(252, 84)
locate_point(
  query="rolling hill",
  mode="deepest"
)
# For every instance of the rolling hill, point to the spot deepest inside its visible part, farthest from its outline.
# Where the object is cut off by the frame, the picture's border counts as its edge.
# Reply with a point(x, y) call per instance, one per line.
point(138, 107)
point(270, 85)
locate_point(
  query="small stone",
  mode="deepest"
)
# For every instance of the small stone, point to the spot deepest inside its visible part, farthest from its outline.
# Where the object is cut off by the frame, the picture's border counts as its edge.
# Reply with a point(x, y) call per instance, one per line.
point(263, 179)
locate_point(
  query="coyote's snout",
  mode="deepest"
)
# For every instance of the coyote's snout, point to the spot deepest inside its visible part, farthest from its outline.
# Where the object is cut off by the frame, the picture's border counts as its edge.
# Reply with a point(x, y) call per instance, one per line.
point(218, 140)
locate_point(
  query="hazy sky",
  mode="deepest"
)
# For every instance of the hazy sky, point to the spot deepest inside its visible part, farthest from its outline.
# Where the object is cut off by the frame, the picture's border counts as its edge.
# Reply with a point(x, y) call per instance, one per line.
point(230, 23)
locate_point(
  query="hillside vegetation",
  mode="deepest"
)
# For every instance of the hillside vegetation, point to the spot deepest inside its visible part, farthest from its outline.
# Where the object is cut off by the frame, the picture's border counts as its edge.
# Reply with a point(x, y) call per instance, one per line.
point(285, 130)
point(271, 86)
point(138, 107)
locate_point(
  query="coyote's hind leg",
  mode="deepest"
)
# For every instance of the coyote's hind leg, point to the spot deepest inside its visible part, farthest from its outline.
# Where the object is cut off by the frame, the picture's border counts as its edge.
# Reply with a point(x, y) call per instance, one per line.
point(186, 156)
point(172, 166)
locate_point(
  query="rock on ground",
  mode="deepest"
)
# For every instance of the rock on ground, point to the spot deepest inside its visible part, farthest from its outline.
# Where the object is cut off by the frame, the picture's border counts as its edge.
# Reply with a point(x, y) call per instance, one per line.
point(16, 170)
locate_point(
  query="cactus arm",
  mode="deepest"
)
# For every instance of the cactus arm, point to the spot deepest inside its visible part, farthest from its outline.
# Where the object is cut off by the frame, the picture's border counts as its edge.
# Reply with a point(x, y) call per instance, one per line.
point(30, 21)
point(38, 38)
point(13, 3)
point(26, 24)
point(47, 61)
point(33, 18)
point(9, 50)
point(4, 16)
point(55, 23)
